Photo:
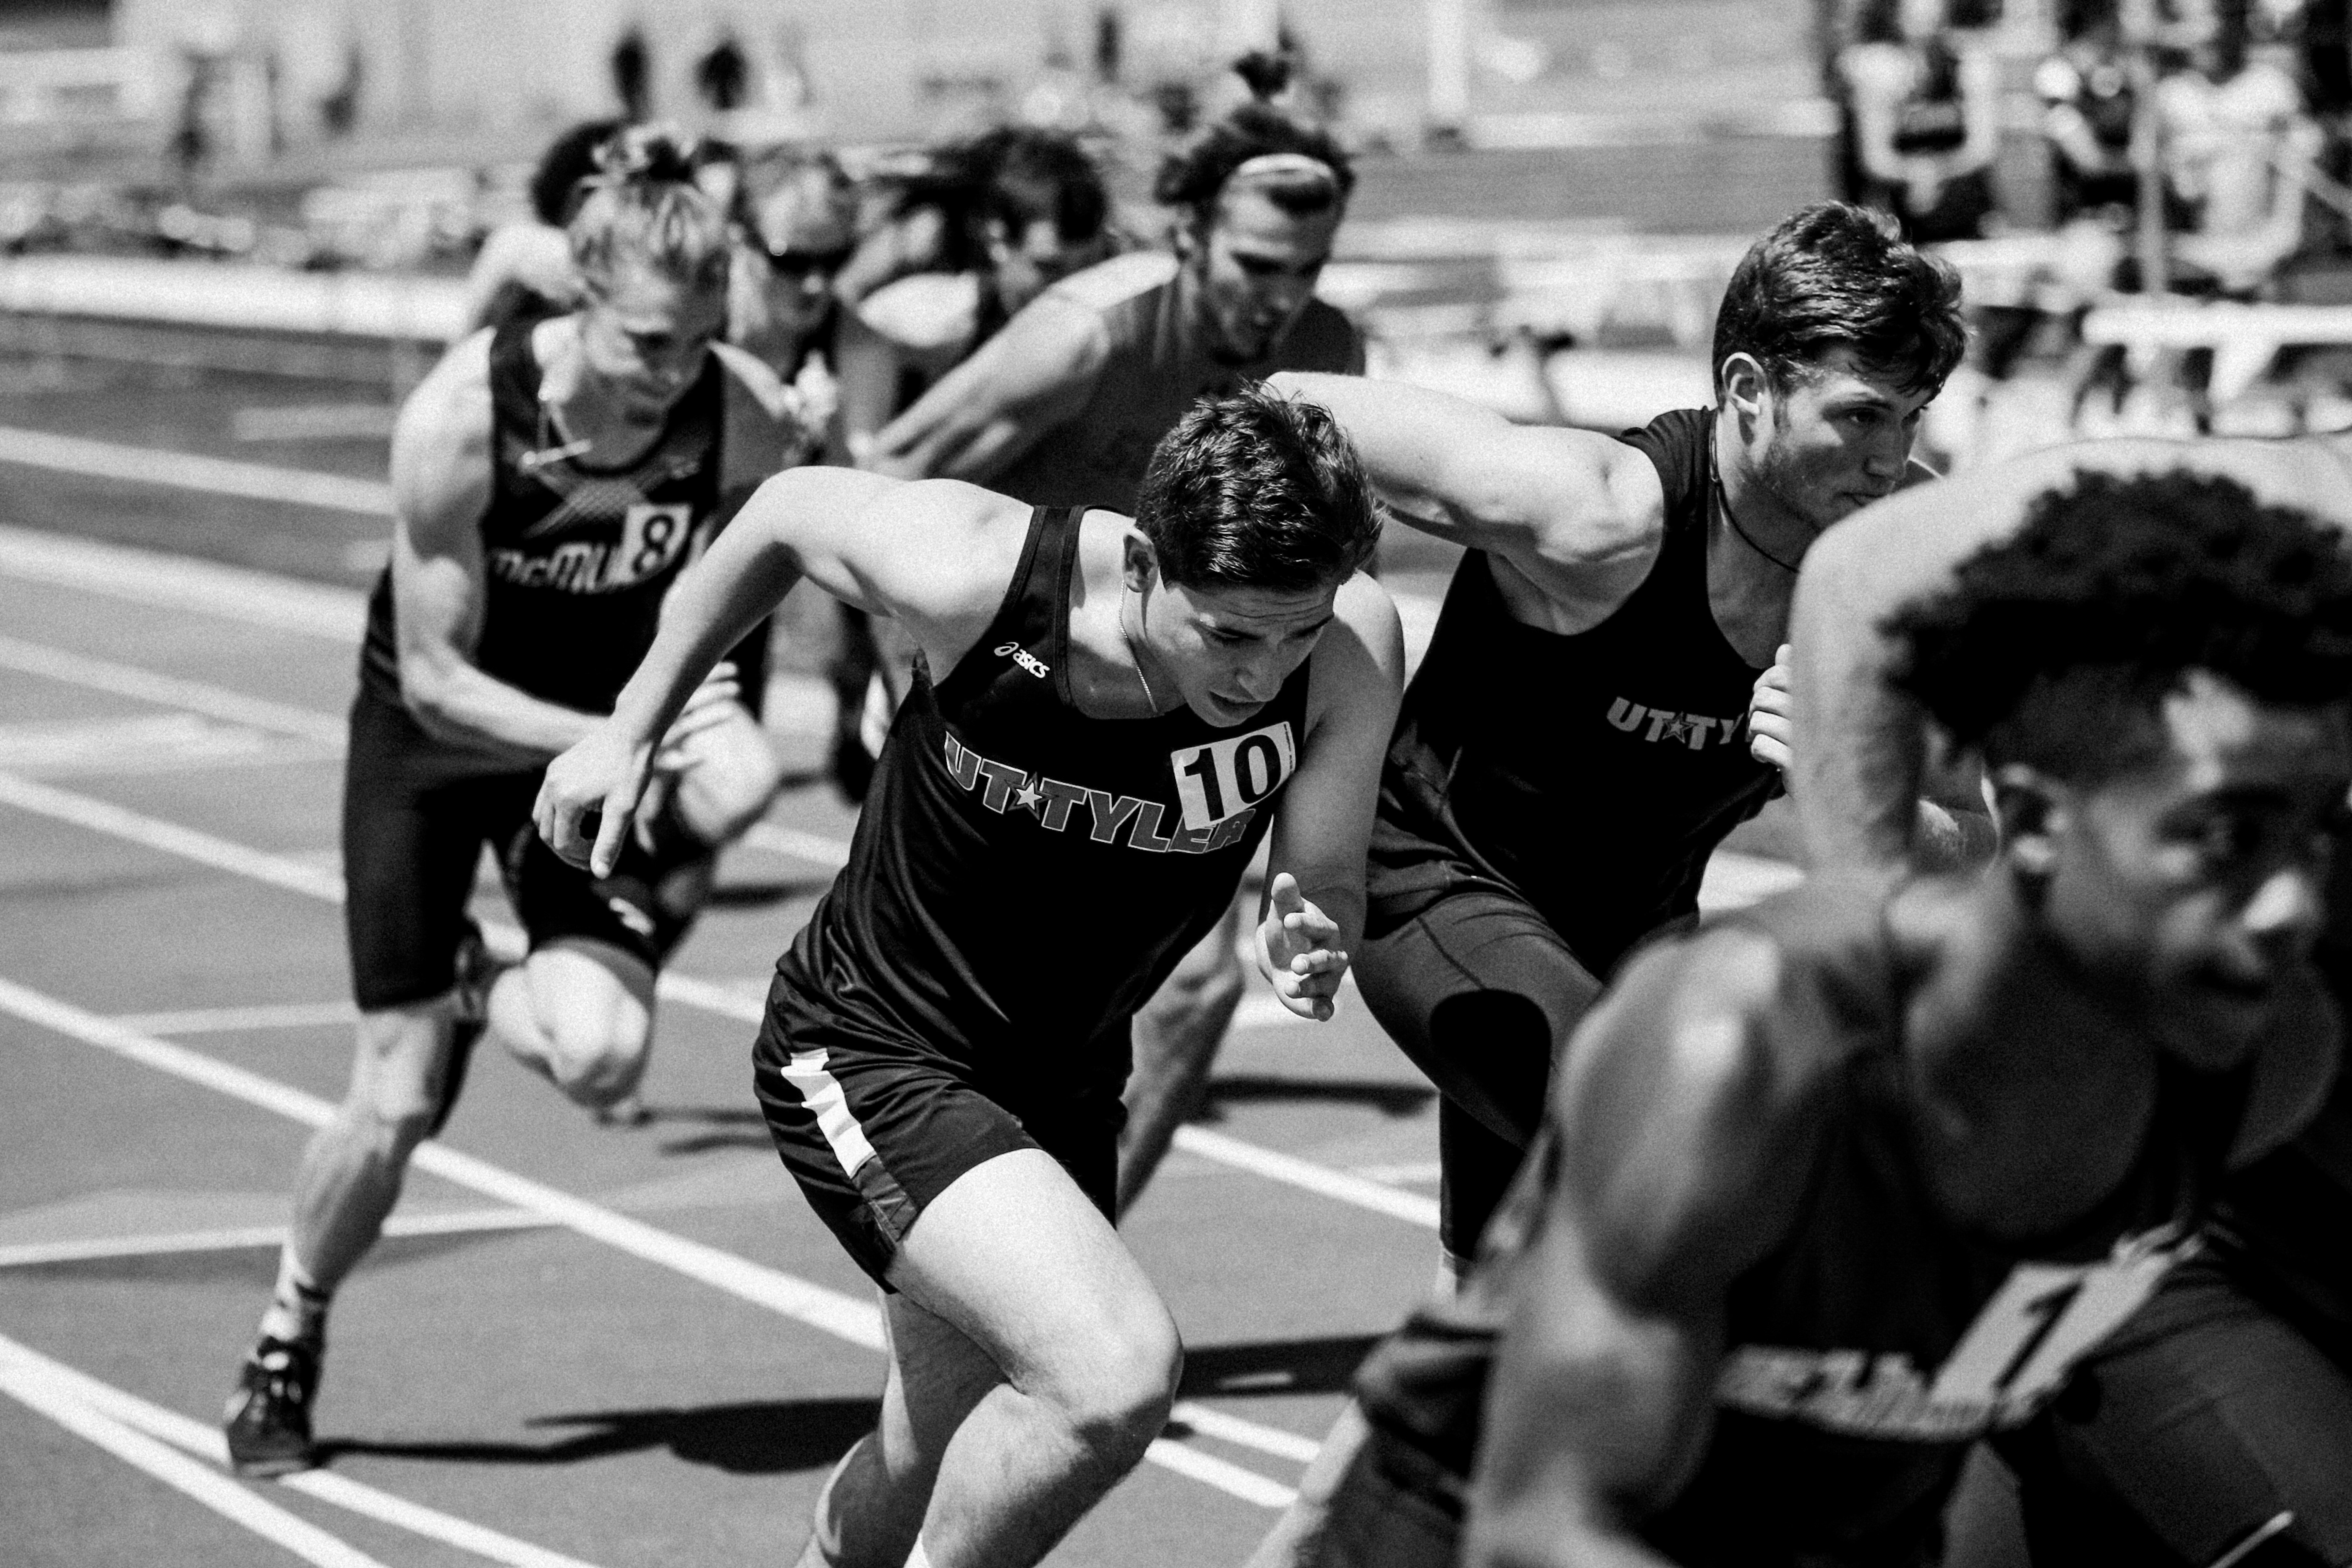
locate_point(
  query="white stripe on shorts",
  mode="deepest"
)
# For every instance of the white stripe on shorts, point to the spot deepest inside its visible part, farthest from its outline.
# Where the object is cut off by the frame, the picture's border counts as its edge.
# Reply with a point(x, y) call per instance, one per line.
point(821, 1091)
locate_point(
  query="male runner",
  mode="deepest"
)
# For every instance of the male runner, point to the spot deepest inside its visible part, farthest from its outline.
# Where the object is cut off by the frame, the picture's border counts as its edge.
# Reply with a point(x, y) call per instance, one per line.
point(550, 480)
point(1600, 705)
point(1107, 715)
point(1851, 1179)
point(1064, 406)
point(2228, 1403)
point(523, 270)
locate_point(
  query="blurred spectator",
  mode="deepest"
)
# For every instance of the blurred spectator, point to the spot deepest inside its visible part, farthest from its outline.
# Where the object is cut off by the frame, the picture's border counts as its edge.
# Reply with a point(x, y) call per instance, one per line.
point(800, 226)
point(524, 269)
point(2237, 152)
point(1924, 98)
point(2086, 91)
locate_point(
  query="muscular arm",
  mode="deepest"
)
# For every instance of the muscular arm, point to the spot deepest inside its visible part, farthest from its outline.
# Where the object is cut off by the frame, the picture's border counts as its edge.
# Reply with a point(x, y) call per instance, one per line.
point(1861, 747)
point(441, 486)
point(1324, 824)
point(1577, 514)
point(934, 556)
point(985, 413)
point(1682, 1152)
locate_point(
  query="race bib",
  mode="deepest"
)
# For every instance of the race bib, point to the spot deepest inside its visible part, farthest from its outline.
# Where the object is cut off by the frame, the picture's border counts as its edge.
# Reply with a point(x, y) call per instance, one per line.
point(652, 537)
point(1225, 778)
point(2043, 1317)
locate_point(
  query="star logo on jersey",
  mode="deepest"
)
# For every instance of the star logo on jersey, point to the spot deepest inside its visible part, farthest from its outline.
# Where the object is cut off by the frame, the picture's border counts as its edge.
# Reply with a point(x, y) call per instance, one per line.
point(1029, 798)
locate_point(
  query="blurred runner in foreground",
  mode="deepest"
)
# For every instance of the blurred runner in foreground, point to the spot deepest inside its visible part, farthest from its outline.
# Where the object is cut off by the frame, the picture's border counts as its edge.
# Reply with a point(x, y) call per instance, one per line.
point(1109, 714)
point(1064, 407)
point(549, 482)
point(1853, 1178)
point(2228, 1402)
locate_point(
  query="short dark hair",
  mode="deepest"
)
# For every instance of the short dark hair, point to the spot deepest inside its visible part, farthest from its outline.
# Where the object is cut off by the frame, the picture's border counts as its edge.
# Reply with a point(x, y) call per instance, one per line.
point(1834, 275)
point(1193, 178)
point(1027, 175)
point(569, 159)
point(1258, 490)
point(2131, 581)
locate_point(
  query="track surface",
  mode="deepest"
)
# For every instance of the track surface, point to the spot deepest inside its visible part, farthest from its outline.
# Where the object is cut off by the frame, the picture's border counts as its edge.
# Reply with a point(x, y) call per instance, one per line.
point(604, 1346)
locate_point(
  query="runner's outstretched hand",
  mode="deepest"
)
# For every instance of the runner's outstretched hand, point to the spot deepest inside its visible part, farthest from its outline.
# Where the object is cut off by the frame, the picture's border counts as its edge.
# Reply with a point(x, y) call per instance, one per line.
point(1771, 714)
point(1295, 945)
point(590, 796)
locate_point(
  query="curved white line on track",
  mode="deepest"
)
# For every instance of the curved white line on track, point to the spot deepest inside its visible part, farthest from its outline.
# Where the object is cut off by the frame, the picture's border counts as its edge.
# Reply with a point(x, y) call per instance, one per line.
point(468, 1222)
point(170, 691)
point(843, 1316)
point(182, 583)
point(25, 1378)
point(190, 471)
point(1409, 1207)
point(204, 1442)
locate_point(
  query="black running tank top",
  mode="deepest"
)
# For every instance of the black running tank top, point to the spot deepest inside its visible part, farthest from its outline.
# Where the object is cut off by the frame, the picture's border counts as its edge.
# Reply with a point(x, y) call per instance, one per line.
point(1878, 1339)
point(576, 558)
point(1023, 877)
point(1592, 773)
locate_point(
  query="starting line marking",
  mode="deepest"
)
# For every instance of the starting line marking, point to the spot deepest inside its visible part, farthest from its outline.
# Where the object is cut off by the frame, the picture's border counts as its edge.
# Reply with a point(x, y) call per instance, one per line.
point(237, 1020)
point(66, 1386)
point(32, 1384)
point(843, 1316)
point(189, 471)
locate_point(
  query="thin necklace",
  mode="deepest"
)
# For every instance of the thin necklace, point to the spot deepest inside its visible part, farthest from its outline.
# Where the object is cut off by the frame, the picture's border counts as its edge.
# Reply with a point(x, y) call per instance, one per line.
point(1128, 638)
point(1724, 502)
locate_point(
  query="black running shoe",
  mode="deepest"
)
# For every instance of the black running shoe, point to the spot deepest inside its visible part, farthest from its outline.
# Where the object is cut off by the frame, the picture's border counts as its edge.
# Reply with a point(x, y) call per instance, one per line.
point(268, 1418)
point(475, 968)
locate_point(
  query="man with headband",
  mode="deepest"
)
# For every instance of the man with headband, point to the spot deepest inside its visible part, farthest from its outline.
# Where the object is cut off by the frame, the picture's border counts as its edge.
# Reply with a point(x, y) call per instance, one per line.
point(1065, 405)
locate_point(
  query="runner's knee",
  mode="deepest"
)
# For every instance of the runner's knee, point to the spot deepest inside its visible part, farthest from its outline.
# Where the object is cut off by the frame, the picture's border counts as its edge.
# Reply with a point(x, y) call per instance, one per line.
point(731, 774)
point(598, 1056)
point(395, 1087)
point(1116, 1388)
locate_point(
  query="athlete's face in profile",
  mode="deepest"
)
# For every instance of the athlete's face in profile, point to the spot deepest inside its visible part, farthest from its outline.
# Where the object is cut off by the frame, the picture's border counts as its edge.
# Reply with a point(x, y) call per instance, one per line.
point(644, 336)
point(2189, 883)
point(1228, 649)
point(1038, 259)
point(1252, 271)
point(1831, 440)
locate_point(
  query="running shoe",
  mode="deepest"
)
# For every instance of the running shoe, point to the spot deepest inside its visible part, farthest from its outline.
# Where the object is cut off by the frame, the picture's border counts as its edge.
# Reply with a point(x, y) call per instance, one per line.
point(268, 1419)
point(476, 969)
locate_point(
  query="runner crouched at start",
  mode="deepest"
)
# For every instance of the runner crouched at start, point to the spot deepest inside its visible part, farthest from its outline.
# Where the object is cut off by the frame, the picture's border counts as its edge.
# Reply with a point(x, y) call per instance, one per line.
point(550, 480)
point(1107, 717)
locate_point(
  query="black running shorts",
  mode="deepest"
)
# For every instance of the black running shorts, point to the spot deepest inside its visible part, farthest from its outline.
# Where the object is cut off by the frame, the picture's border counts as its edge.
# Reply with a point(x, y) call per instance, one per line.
point(416, 813)
point(874, 1126)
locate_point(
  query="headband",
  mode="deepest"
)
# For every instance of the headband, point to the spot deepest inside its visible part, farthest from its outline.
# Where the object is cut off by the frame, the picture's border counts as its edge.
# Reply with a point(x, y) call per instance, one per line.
point(1271, 166)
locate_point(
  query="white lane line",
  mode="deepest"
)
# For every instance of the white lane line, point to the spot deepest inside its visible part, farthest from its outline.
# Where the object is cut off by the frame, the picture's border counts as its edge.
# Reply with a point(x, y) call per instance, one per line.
point(188, 471)
point(707, 995)
point(845, 1317)
point(237, 1020)
point(1244, 1434)
point(205, 1443)
point(1409, 1207)
point(170, 691)
point(1409, 1171)
point(182, 583)
point(464, 1222)
point(814, 848)
point(25, 1379)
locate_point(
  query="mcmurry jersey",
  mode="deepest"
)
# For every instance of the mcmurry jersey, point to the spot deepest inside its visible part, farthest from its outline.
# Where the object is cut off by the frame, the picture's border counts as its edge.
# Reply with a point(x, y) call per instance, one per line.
point(576, 558)
point(1877, 1340)
point(1023, 877)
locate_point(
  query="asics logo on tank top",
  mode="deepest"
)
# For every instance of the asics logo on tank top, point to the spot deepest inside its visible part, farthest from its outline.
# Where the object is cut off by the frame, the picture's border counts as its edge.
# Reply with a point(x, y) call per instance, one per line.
point(1661, 724)
point(1235, 776)
point(1025, 658)
point(2014, 1356)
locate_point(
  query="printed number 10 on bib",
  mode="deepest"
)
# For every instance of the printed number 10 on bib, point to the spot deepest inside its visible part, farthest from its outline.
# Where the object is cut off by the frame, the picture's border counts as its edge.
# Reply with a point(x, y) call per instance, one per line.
point(1227, 778)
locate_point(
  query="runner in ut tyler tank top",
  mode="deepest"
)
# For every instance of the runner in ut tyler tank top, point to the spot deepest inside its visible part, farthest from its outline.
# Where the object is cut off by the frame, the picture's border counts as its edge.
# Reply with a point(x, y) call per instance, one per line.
point(1108, 713)
point(915, 1000)
point(1849, 1179)
point(1600, 703)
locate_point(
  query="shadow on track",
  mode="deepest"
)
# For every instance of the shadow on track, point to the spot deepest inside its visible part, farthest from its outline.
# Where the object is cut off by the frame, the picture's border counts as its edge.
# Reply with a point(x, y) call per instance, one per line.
point(1249, 1089)
point(1275, 1366)
point(770, 1437)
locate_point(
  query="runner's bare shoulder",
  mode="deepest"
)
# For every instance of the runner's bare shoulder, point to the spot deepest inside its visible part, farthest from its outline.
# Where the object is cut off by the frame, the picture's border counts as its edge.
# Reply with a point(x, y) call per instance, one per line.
point(441, 454)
